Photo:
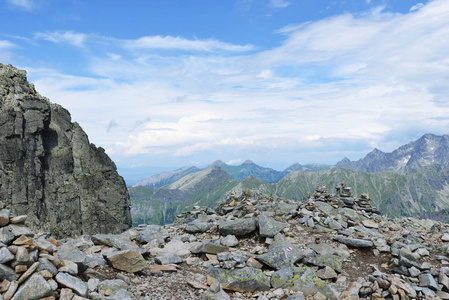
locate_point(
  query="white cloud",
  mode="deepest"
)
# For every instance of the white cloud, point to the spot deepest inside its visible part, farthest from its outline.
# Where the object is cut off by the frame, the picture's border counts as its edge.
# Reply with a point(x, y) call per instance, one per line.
point(23, 4)
point(236, 161)
point(344, 82)
point(6, 45)
point(279, 3)
point(416, 6)
point(178, 43)
point(63, 37)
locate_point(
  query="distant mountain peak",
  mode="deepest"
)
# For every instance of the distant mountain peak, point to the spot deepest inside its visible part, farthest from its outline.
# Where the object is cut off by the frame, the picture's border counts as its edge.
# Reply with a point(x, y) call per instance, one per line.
point(248, 161)
point(217, 163)
point(428, 150)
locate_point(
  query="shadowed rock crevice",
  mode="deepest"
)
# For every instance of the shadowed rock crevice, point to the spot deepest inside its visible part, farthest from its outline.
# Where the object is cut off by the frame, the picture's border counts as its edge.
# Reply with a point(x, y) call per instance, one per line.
point(50, 171)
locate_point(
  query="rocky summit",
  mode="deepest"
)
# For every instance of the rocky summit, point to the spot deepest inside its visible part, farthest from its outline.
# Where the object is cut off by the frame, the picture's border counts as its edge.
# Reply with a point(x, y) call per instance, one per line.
point(48, 169)
point(254, 246)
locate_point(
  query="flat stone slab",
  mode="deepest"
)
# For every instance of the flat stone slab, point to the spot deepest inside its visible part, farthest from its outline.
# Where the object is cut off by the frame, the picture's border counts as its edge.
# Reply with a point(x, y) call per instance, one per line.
point(356, 243)
point(302, 279)
point(240, 280)
point(130, 261)
point(268, 227)
point(333, 261)
point(237, 227)
point(76, 284)
point(280, 255)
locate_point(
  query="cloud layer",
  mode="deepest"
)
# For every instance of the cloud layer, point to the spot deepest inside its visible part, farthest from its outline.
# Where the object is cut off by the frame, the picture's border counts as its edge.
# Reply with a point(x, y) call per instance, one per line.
point(335, 87)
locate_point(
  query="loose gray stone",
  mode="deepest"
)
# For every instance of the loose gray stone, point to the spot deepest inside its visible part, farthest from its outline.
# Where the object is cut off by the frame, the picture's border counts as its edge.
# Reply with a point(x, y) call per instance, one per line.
point(121, 294)
point(7, 273)
point(302, 279)
point(356, 243)
point(45, 264)
point(281, 254)
point(168, 258)
point(5, 255)
point(209, 247)
point(34, 288)
point(268, 227)
point(72, 253)
point(6, 236)
point(130, 261)
point(92, 284)
point(198, 226)
point(114, 285)
point(152, 232)
point(214, 292)
point(20, 229)
point(237, 227)
point(229, 241)
point(174, 246)
point(4, 217)
point(76, 284)
point(330, 260)
point(427, 280)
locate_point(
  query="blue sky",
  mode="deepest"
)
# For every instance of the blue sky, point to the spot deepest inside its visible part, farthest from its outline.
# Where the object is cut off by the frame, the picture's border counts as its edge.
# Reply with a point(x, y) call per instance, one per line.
point(166, 84)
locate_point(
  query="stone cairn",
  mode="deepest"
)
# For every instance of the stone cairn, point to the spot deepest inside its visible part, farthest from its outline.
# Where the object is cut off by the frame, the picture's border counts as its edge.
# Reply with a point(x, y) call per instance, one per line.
point(343, 198)
point(254, 246)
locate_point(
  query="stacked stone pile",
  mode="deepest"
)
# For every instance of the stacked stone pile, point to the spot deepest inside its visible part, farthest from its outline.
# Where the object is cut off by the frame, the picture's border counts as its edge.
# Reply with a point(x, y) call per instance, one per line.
point(330, 247)
point(252, 247)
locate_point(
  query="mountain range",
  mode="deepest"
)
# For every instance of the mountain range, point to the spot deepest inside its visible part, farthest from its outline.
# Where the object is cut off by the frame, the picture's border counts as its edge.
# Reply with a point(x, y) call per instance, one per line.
point(240, 172)
point(411, 180)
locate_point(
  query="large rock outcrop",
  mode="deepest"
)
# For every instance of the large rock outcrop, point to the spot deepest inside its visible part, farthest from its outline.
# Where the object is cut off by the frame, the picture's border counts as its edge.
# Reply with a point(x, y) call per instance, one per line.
point(50, 171)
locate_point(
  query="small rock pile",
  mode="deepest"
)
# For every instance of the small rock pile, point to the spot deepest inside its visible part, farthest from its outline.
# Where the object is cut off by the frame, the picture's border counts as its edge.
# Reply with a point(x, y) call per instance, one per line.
point(254, 246)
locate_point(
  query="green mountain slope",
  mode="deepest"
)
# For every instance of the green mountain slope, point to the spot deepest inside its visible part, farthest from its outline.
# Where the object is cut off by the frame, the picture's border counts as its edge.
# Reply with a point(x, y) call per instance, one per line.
point(410, 192)
point(162, 205)
point(423, 192)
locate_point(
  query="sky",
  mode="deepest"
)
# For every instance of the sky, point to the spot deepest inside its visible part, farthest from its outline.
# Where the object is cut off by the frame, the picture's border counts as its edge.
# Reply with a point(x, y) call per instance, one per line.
point(164, 84)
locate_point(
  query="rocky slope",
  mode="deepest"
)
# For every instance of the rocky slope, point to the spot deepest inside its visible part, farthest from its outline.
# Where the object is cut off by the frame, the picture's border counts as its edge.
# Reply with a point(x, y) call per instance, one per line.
point(165, 178)
point(49, 170)
point(257, 246)
point(427, 151)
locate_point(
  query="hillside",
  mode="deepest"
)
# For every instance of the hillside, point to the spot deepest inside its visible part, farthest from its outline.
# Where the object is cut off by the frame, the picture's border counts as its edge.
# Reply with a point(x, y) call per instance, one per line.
point(410, 192)
point(165, 178)
point(162, 205)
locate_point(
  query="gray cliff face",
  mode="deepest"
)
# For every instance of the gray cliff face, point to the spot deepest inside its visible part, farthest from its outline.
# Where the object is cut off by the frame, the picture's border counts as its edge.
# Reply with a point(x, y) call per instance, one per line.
point(50, 171)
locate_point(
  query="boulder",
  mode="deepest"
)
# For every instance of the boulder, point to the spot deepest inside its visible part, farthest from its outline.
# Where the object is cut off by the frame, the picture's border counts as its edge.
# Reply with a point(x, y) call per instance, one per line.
point(238, 227)
point(151, 232)
point(240, 280)
point(280, 255)
point(268, 227)
point(302, 279)
point(130, 261)
point(34, 288)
